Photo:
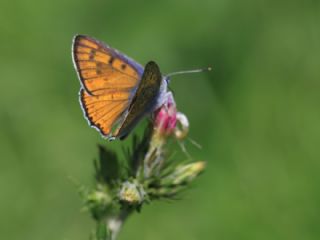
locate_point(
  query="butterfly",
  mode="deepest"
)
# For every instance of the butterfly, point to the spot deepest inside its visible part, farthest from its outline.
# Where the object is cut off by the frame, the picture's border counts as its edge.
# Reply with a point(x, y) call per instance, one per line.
point(116, 92)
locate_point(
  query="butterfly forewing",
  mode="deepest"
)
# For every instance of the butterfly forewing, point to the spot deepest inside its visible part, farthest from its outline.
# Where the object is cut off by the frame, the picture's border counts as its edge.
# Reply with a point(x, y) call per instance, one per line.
point(109, 81)
point(101, 67)
point(144, 99)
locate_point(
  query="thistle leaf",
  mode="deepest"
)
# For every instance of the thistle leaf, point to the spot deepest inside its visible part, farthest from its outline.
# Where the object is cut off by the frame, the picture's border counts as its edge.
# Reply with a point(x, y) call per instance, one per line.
point(108, 167)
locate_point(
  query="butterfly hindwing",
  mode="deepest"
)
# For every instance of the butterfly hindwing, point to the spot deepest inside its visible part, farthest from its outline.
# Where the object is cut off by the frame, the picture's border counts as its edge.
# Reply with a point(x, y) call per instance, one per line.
point(101, 112)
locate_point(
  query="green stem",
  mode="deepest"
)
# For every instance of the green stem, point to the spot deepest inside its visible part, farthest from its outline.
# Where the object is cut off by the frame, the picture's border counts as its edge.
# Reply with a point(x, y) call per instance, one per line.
point(114, 224)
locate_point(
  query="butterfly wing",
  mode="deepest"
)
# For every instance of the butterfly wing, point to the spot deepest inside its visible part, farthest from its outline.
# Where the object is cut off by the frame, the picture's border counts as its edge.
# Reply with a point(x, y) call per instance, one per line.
point(145, 99)
point(109, 81)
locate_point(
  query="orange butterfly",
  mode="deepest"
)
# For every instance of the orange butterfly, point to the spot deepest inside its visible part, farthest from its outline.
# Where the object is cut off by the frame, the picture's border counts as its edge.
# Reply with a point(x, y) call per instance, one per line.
point(116, 92)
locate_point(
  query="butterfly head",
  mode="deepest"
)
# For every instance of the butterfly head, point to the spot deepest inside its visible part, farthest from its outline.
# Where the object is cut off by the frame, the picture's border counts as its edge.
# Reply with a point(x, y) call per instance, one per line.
point(167, 79)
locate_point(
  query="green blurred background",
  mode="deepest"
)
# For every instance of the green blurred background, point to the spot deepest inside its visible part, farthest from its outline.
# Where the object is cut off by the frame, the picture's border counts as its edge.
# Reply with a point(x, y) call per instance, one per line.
point(256, 115)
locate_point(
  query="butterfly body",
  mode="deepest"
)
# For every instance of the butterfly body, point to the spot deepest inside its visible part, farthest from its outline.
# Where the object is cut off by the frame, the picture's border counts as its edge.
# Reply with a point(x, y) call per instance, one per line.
point(116, 92)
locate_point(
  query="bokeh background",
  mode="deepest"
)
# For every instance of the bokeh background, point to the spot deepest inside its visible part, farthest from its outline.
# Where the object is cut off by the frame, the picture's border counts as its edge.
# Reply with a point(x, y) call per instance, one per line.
point(256, 115)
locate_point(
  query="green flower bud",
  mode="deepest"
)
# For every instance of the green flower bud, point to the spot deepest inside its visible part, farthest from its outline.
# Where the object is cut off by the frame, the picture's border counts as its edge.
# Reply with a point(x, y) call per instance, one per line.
point(98, 202)
point(185, 173)
point(132, 193)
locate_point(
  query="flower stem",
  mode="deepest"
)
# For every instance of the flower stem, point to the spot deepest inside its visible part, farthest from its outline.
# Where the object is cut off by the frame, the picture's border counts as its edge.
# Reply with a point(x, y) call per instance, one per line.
point(114, 224)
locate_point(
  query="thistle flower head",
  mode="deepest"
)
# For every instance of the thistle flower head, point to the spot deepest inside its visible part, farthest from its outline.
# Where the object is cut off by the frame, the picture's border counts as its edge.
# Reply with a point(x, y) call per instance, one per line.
point(168, 121)
point(166, 118)
point(132, 193)
point(147, 175)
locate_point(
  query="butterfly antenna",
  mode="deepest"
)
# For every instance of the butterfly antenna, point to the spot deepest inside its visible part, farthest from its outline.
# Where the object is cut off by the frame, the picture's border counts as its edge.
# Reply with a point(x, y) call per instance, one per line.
point(190, 71)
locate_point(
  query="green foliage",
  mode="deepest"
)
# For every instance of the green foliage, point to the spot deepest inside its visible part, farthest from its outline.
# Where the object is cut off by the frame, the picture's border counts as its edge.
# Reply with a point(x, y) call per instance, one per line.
point(115, 194)
point(102, 232)
point(108, 168)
